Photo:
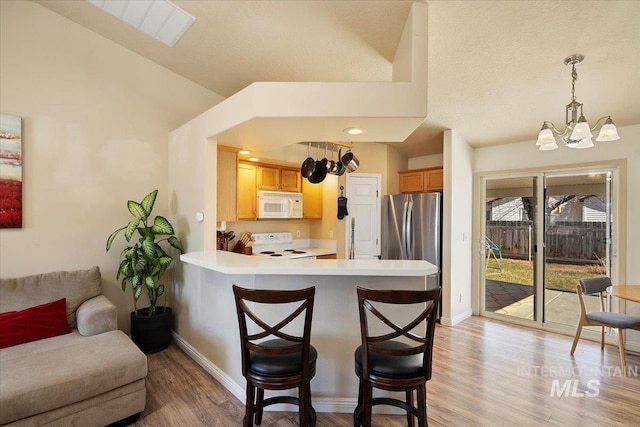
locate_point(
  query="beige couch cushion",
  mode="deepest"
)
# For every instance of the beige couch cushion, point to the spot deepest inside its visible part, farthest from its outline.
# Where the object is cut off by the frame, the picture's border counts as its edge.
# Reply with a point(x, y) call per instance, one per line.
point(43, 375)
point(76, 286)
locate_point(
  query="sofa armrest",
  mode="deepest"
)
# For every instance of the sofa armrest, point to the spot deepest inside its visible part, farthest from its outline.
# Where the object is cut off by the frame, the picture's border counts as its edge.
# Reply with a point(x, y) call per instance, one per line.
point(97, 315)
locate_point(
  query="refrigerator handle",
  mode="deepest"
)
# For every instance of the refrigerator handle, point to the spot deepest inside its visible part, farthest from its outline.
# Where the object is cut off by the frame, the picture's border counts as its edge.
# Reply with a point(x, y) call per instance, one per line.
point(405, 224)
point(409, 229)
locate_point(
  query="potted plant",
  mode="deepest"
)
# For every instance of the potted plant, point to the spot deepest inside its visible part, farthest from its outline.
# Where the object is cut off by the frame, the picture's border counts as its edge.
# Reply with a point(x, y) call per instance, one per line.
point(142, 266)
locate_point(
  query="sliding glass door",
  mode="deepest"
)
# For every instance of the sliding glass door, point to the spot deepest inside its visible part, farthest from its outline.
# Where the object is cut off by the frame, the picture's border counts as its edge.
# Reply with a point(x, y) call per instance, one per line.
point(542, 233)
point(510, 285)
point(578, 225)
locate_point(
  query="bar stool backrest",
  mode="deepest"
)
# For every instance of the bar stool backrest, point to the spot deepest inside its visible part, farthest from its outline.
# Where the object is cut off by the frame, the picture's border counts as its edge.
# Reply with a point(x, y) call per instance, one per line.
point(417, 331)
point(263, 330)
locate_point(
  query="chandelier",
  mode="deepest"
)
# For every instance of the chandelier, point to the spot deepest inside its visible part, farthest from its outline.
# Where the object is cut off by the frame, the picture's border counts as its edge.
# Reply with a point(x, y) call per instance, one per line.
point(577, 133)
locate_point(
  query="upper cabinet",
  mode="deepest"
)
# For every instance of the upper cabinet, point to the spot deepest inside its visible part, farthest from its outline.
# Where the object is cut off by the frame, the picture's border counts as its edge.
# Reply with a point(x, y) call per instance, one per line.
point(268, 178)
point(250, 177)
point(291, 180)
point(276, 178)
point(421, 180)
point(227, 179)
point(247, 197)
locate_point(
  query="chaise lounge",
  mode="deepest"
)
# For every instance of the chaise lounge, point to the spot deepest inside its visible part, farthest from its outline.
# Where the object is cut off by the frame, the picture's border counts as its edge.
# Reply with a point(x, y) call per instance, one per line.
point(88, 374)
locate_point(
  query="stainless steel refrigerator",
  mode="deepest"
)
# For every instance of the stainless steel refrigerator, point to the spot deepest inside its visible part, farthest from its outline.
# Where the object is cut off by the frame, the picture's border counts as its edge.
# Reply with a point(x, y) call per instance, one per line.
point(412, 229)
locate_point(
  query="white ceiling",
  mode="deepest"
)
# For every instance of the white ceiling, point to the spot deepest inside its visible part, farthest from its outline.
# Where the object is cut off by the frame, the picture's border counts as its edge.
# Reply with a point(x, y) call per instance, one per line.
point(495, 68)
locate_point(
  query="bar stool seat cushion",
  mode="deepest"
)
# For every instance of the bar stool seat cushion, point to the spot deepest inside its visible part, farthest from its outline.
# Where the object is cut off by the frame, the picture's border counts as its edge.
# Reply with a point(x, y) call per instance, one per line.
point(279, 364)
point(392, 366)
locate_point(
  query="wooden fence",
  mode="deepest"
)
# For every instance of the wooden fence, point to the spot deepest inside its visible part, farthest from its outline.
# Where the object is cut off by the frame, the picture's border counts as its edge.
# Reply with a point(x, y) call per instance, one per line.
point(574, 242)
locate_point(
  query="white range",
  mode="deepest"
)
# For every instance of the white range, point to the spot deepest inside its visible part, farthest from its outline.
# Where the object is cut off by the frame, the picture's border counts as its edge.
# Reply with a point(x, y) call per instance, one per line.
point(278, 246)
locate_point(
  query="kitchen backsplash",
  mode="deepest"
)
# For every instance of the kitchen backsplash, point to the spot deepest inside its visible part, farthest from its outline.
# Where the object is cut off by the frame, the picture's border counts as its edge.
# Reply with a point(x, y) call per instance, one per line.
point(299, 229)
point(314, 243)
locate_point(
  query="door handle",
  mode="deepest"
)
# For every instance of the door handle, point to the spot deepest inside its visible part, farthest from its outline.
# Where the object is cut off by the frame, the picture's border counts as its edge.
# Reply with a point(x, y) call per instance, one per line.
point(409, 230)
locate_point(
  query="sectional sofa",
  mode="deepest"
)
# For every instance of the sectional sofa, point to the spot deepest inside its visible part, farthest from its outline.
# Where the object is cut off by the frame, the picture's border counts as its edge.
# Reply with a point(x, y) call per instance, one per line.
point(64, 361)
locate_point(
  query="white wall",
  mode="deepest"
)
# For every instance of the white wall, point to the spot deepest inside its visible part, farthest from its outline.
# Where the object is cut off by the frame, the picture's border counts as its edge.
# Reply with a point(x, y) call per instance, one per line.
point(395, 162)
point(95, 123)
point(456, 229)
point(192, 188)
point(431, 161)
point(524, 155)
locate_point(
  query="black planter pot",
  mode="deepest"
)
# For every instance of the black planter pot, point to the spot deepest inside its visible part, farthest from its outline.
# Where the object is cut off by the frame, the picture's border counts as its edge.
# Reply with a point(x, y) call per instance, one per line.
point(152, 333)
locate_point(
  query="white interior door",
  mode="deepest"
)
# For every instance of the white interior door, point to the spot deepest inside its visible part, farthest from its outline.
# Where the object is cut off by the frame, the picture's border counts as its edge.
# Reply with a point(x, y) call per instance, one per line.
point(362, 225)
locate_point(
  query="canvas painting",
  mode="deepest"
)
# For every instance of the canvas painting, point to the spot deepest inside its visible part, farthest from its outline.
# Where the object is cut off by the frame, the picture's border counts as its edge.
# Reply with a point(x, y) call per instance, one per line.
point(10, 171)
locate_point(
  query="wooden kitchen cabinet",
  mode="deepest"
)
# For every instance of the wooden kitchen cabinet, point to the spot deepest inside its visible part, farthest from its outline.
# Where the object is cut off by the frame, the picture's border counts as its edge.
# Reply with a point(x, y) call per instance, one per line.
point(410, 182)
point(421, 180)
point(433, 180)
point(247, 197)
point(268, 178)
point(227, 172)
point(273, 178)
point(311, 200)
point(291, 180)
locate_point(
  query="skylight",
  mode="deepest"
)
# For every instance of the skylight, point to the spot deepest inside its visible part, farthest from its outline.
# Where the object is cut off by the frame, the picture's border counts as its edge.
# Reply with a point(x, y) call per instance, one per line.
point(160, 19)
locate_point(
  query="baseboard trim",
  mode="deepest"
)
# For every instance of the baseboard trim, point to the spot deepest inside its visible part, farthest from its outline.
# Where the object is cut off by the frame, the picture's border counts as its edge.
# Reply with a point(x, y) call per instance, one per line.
point(452, 321)
point(211, 368)
point(339, 405)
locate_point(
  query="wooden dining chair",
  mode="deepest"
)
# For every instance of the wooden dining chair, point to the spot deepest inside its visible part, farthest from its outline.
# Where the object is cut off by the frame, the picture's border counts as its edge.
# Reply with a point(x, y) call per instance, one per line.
point(275, 355)
point(398, 358)
point(603, 318)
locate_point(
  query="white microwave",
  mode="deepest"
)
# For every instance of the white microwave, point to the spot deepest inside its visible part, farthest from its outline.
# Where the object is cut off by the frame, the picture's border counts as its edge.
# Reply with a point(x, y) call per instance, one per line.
point(279, 205)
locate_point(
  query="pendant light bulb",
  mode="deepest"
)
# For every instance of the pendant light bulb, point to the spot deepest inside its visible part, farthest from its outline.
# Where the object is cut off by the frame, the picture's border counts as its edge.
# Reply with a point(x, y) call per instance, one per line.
point(609, 132)
point(581, 130)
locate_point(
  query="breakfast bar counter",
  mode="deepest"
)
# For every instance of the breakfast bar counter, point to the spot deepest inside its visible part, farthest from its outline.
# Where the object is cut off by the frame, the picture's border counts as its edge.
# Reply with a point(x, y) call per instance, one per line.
point(208, 330)
point(234, 263)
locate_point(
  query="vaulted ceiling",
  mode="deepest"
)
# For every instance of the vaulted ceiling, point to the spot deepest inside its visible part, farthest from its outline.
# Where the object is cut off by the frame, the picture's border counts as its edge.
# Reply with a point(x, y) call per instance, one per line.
point(495, 68)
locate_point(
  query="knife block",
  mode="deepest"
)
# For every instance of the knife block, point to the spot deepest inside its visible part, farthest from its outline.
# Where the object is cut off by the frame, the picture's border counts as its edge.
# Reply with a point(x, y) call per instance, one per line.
point(242, 249)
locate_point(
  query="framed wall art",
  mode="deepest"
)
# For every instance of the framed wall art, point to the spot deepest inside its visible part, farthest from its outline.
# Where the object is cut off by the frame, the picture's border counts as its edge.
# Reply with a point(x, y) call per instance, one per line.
point(10, 171)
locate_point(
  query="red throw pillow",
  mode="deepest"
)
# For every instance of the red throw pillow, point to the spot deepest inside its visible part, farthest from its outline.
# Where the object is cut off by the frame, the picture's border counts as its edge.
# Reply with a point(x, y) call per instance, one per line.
point(34, 323)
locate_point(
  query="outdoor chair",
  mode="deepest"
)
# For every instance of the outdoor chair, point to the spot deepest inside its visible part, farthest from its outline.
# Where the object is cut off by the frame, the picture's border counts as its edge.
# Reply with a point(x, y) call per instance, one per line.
point(398, 358)
point(603, 318)
point(285, 361)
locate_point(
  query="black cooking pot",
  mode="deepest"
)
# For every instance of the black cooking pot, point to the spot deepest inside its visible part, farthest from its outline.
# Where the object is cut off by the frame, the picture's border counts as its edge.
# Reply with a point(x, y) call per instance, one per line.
point(306, 170)
point(319, 172)
point(340, 167)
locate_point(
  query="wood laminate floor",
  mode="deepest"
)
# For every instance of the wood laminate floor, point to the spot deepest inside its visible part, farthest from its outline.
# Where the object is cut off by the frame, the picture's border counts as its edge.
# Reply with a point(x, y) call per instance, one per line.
point(485, 373)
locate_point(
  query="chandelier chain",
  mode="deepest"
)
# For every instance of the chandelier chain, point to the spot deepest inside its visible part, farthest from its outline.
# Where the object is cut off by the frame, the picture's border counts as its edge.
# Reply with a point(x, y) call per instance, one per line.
point(574, 77)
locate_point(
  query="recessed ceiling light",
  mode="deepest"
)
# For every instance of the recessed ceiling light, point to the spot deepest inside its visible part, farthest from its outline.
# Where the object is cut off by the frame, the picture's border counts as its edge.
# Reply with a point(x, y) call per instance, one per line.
point(254, 159)
point(353, 131)
point(161, 19)
point(244, 152)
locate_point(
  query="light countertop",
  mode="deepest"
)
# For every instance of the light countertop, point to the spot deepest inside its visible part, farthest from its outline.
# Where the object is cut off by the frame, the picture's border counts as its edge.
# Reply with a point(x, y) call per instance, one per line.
point(321, 251)
point(234, 263)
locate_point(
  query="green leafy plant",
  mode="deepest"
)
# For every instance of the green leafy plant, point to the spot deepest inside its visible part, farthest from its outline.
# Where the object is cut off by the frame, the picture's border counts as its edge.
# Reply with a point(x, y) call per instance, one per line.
point(143, 264)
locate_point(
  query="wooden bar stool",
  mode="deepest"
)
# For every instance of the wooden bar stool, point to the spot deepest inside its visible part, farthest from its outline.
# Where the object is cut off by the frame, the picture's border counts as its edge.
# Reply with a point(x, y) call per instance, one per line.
point(284, 360)
point(399, 359)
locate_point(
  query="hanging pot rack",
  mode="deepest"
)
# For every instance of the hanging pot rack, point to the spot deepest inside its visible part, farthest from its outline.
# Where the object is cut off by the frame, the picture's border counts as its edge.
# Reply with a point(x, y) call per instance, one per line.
point(316, 171)
point(347, 145)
